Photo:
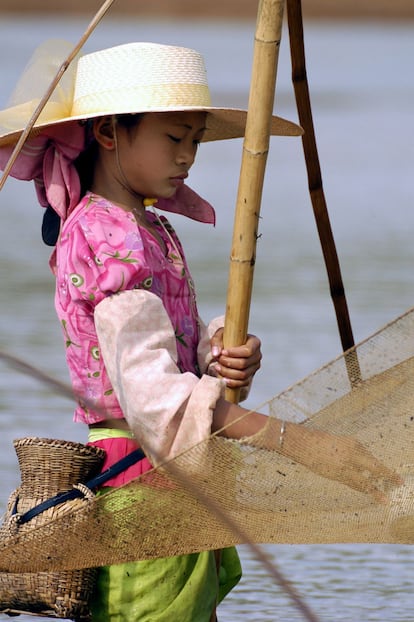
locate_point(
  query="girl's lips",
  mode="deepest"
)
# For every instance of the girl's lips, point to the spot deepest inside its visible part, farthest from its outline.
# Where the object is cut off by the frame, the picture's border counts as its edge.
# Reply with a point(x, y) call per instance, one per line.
point(177, 181)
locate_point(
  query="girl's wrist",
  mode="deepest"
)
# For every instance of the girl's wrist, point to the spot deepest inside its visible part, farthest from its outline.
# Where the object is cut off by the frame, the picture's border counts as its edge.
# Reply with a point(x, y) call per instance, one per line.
point(275, 435)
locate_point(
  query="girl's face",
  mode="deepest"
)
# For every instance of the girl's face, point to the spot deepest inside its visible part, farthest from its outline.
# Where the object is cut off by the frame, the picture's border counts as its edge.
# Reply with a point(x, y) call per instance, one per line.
point(157, 154)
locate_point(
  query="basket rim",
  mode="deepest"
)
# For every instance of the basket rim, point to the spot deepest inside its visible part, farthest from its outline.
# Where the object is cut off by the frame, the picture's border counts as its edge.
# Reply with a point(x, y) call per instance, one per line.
point(57, 443)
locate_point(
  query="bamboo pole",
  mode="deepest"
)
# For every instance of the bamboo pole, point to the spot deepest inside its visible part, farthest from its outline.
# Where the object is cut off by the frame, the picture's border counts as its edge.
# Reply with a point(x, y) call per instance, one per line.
point(20, 143)
point(301, 88)
point(254, 158)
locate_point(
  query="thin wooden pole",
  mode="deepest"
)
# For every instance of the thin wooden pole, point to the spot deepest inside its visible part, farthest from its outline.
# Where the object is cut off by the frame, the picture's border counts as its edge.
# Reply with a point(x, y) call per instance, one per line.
point(301, 88)
point(20, 143)
point(254, 158)
point(249, 195)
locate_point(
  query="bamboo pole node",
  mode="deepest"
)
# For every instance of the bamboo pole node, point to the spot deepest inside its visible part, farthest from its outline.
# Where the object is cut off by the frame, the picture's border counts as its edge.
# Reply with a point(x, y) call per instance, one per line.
point(254, 156)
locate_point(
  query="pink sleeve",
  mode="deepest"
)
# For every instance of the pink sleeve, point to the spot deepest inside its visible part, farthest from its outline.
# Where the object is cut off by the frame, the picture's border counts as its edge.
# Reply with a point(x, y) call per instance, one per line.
point(168, 411)
point(98, 253)
point(102, 252)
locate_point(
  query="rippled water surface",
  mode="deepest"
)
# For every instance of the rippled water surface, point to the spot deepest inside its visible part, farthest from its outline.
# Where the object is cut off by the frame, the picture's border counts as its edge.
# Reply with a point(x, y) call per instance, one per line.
point(362, 94)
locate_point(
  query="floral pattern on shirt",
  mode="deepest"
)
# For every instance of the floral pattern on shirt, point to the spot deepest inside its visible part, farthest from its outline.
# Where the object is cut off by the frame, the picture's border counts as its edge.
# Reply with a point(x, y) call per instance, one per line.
point(103, 251)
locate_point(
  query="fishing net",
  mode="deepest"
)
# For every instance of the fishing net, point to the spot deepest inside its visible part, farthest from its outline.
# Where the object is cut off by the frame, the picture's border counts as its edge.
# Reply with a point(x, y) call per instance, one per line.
point(247, 494)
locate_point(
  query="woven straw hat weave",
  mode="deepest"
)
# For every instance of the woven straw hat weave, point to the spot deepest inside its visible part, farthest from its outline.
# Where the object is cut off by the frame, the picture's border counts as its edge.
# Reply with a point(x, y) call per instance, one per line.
point(129, 78)
point(367, 394)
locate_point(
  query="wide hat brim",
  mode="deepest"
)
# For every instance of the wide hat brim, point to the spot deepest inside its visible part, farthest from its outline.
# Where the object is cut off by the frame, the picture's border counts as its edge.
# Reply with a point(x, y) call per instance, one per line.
point(221, 124)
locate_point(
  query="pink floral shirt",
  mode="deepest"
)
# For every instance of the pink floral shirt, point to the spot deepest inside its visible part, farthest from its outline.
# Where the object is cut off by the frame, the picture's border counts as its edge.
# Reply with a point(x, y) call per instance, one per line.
point(103, 251)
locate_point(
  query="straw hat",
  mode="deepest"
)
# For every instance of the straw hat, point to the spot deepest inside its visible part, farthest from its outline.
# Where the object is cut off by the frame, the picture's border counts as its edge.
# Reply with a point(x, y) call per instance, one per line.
point(130, 78)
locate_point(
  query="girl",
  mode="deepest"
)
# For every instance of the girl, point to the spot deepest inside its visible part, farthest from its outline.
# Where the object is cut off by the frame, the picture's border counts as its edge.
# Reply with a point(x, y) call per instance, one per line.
point(135, 344)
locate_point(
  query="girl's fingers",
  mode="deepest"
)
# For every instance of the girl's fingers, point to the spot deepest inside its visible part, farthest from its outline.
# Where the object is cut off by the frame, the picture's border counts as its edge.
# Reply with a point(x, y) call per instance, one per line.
point(240, 363)
point(242, 375)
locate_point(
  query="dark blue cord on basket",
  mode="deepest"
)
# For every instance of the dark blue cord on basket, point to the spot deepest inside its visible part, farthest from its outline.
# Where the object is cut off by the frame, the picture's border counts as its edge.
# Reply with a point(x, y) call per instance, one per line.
point(95, 482)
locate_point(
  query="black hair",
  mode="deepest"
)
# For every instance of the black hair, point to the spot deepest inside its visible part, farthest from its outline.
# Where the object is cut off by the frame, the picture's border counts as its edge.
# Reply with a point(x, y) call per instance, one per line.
point(84, 165)
point(129, 121)
point(50, 226)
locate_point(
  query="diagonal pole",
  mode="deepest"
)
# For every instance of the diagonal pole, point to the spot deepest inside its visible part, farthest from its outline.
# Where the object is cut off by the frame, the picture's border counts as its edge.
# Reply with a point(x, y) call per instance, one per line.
point(301, 88)
point(24, 136)
point(254, 157)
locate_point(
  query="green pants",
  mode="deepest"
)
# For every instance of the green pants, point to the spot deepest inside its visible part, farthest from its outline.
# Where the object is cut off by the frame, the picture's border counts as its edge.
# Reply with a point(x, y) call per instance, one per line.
point(183, 588)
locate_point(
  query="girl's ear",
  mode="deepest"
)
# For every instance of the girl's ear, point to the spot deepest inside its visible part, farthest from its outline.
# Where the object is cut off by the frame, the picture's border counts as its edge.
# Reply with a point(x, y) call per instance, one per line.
point(103, 129)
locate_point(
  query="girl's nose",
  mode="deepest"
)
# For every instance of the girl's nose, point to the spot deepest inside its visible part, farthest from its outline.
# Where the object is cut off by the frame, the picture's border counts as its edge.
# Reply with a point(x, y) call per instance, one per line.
point(186, 153)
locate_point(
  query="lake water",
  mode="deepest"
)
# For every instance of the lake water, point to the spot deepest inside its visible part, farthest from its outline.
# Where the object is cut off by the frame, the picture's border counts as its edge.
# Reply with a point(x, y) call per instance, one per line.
point(362, 90)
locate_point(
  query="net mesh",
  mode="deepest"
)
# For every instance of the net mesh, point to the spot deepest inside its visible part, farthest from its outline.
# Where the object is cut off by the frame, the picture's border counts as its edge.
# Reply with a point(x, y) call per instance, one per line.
point(247, 494)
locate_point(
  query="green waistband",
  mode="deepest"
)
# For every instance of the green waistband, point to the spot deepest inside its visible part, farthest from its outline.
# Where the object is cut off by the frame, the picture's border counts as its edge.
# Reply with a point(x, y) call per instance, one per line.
point(99, 434)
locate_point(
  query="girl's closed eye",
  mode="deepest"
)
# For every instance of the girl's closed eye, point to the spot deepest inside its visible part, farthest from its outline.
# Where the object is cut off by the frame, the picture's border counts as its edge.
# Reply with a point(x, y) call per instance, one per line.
point(175, 139)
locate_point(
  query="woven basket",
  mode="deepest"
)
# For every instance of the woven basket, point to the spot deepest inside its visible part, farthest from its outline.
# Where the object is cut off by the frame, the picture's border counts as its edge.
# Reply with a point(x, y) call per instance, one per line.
point(48, 467)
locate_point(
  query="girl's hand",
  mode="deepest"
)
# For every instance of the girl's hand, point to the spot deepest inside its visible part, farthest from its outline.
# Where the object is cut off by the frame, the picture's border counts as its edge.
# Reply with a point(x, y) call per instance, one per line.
point(239, 364)
point(340, 458)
